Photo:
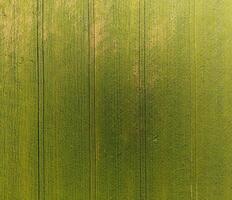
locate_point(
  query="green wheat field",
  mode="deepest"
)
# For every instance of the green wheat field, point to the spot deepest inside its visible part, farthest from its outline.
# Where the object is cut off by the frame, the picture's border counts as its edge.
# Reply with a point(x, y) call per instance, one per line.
point(115, 100)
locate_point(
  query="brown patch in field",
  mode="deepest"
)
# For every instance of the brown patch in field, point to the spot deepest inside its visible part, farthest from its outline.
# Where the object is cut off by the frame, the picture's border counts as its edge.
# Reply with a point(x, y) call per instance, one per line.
point(99, 31)
point(136, 75)
point(161, 32)
point(151, 81)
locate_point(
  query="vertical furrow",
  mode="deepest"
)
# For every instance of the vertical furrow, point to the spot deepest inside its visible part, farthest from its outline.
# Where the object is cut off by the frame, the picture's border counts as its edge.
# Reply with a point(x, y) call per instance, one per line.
point(192, 44)
point(40, 77)
point(142, 83)
point(92, 138)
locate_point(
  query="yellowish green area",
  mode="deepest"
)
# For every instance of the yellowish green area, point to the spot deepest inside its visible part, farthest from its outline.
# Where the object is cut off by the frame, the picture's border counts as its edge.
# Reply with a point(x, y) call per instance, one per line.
point(115, 100)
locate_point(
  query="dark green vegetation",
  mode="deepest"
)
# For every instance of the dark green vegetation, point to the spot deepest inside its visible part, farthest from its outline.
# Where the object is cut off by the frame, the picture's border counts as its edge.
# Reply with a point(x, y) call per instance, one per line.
point(115, 100)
